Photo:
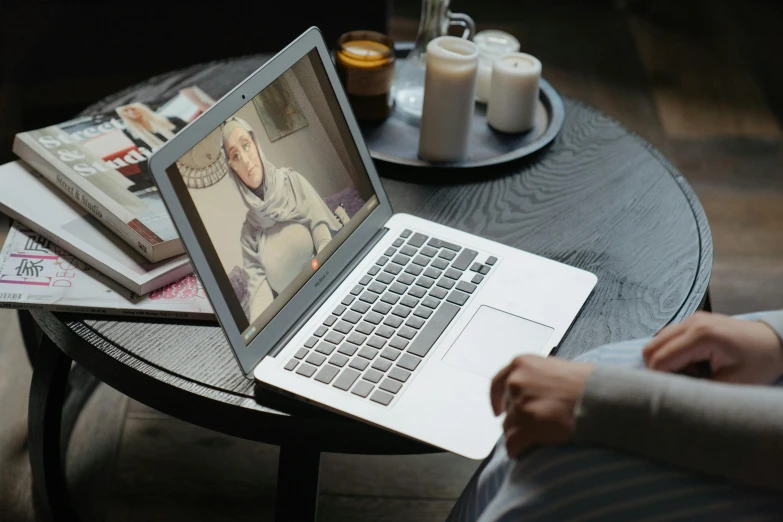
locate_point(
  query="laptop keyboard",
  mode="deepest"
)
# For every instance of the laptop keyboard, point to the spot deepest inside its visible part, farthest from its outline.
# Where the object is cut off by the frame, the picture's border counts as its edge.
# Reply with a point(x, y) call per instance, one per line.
point(375, 339)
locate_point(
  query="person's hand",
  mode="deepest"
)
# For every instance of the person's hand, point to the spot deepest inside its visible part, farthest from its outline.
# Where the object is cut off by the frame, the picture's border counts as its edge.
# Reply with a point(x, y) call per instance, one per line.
point(737, 351)
point(539, 395)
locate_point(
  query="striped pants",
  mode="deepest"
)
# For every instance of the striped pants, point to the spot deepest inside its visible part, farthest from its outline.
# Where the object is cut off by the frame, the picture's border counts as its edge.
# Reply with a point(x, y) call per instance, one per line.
point(571, 483)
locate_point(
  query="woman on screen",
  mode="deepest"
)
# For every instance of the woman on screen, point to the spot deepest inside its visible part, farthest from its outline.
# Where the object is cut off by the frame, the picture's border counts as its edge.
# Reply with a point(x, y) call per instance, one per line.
point(287, 222)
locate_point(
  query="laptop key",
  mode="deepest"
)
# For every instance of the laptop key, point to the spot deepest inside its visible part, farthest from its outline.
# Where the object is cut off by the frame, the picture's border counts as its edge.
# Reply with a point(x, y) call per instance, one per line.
point(381, 308)
point(452, 274)
point(343, 327)
point(475, 267)
point(373, 318)
point(407, 332)
point(463, 260)
point(352, 317)
point(409, 301)
point(390, 298)
point(398, 288)
point(319, 332)
point(364, 328)
point(428, 251)
point(346, 379)
point(401, 311)
point(477, 279)
point(389, 252)
point(458, 298)
point(450, 246)
point(405, 233)
point(423, 312)
point(440, 264)
point(390, 353)
point(430, 302)
point(406, 279)
point(433, 273)
point(290, 365)
point(414, 322)
point(364, 281)
point(315, 359)
point(368, 353)
point(438, 292)
point(466, 287)
point(347, 300)
point(491, 260)
point(408, 362)
point(312, 341)
point(418, 239)
point(399, 374)
point(408, 251)
point(372, 375)
point(380, 364)
point(326, 374)
point(360, 307)
point(306, 369)
point(373, 270)
point(448, 255)
point(385, 331)
point(393, 321)
point(362, 389)
point(359, 363)
point(330, 320)
point(339, 310)
point(376, 287)
point(433, 330)
point(399, 343)
point(356, 338)
point(382, 397)
point(325, 348)
point(398, 242)
point(368, 297)
point(389, 385)
point(421, 260)
point(356, 290)
point(401, 259)
point(376, 342)
point(300, 353)
point(417, 292)
point(338, 359)
point(413, 270)
point(348, 349)
point(446, 283)
point(425, 282)
point(484, 270)
point(334, 337)
point(393, 268)
point(385, 278)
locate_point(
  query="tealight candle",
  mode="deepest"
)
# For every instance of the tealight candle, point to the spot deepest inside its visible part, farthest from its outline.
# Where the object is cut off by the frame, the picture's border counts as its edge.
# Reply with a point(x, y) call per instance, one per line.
point(491, 45)
point(513, 93)
point(449, 91)
point(365, 64)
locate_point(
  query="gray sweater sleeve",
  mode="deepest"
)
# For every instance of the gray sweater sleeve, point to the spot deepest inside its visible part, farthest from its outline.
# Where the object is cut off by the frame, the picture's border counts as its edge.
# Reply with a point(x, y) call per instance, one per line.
point(729, 431)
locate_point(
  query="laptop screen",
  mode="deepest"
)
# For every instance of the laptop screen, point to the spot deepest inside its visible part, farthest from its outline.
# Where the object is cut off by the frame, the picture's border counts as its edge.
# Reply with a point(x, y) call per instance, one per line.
point(278, 187)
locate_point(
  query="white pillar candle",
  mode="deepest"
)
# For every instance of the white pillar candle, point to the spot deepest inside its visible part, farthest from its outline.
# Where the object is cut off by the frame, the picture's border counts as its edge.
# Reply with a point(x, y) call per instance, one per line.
point(491, 45)
point(449, 91)
point(513, 94)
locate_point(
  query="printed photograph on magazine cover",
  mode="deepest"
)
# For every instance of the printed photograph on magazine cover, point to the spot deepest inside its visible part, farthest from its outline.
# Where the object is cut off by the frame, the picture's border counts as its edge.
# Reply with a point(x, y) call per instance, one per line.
point(275, 183)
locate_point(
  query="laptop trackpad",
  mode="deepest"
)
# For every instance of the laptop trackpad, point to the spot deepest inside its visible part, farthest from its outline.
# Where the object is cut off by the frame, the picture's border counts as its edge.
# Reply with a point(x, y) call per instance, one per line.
point(493, 338)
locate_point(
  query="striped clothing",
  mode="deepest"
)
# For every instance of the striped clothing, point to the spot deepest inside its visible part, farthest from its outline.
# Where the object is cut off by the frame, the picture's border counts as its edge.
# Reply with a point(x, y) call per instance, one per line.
point(570, 483)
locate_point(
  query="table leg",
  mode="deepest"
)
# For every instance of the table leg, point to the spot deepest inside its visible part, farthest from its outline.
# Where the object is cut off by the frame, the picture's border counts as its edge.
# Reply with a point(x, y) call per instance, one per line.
point(31, 334)
point(707, 307)
point(298, 471)
point(47, 395)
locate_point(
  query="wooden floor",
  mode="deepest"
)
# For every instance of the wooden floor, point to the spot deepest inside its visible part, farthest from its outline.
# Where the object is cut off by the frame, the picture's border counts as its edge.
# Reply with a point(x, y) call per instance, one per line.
point(703, 83)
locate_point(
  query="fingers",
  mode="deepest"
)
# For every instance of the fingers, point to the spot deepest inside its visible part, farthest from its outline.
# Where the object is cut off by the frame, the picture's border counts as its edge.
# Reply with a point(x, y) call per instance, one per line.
point(680, 352)
point(662, 338)
point(517, 441)
point(498, 389)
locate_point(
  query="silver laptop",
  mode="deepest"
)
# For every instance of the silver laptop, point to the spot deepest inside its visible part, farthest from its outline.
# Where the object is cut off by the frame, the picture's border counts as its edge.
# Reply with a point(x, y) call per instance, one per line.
point(328, 296)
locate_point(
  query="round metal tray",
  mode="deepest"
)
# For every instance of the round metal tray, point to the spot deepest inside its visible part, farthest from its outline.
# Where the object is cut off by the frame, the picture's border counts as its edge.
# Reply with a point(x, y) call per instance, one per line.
point(396, 139)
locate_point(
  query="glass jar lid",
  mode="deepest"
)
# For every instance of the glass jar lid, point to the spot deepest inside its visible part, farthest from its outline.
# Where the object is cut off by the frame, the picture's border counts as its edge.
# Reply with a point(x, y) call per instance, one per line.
point(365, 49)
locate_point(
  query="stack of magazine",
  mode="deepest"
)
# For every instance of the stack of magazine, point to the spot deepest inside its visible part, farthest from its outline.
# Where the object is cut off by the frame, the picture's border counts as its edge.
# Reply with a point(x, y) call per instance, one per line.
point(90, 232)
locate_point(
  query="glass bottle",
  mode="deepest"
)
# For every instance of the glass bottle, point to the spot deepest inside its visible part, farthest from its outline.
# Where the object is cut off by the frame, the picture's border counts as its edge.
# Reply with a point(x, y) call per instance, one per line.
point(436, 19)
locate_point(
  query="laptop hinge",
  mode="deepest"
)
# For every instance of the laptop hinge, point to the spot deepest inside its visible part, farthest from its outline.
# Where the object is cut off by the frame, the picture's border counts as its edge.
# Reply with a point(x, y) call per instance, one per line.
point(278, 347)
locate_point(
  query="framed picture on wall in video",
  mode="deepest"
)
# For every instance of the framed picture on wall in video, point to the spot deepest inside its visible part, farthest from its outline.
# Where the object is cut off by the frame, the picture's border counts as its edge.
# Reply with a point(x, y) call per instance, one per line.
point(280, 113)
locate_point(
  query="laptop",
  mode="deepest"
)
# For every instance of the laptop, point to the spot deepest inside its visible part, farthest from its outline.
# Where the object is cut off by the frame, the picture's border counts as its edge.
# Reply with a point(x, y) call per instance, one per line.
point(328, 296)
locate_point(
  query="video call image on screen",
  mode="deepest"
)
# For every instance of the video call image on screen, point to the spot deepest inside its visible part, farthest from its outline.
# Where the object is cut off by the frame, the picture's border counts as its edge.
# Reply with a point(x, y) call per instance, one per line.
point(278, 186)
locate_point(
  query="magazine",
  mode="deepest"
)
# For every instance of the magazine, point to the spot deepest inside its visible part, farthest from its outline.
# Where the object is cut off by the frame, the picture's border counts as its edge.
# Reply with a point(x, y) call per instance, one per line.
point(35, 274)
point(28, 198)
point(100, 161)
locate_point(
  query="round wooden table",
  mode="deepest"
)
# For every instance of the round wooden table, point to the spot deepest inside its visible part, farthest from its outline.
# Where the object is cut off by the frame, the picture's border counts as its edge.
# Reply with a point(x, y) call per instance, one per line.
point(598, 198)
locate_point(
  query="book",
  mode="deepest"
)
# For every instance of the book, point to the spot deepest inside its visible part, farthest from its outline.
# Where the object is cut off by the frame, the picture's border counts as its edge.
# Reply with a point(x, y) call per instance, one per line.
point(31, 200)
point(100, 162)
point(35, 274)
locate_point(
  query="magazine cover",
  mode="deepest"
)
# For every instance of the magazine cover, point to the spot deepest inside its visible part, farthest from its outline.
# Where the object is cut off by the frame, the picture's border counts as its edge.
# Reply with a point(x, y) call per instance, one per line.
point(35, 274)
point(28, 198)
point(100, 161)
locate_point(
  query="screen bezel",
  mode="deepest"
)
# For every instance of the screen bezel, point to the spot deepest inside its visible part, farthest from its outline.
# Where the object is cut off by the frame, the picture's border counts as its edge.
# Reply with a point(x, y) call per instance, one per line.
point(249, 356)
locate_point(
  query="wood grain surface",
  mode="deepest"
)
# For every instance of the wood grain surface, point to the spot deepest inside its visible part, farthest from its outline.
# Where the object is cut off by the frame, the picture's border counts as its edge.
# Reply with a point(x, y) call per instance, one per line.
point(599, 198)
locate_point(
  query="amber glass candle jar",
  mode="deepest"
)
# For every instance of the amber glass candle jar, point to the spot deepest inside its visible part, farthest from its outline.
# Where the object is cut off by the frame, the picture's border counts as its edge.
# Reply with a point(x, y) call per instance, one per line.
point(365, 63)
